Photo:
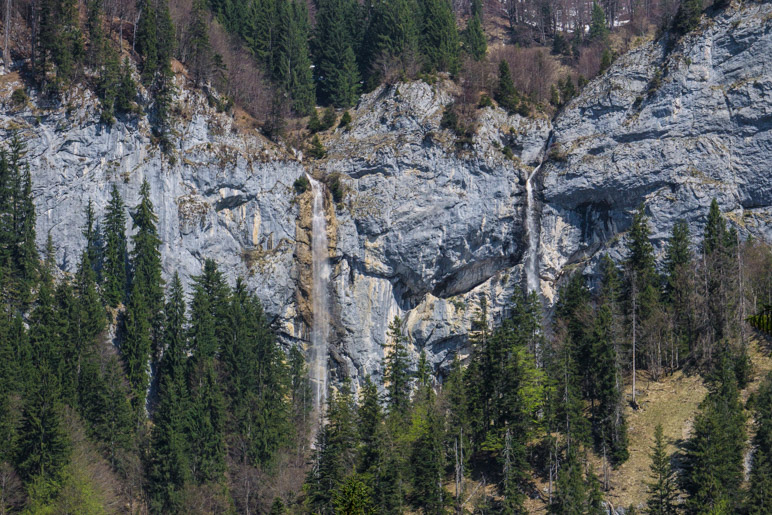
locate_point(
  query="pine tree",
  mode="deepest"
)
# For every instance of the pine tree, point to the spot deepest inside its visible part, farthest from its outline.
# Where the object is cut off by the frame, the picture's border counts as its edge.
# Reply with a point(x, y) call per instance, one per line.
point(115, 254)
point(335, 456)
point(506, 95)
point(147, 40)
point(598, 27)
point(169, 469)
point(475, 42)
point(336, 68)
point(144, 313)
point(396, 366)
point(713, 469)
point(439, 36)
point(570, 494)
point(293, 65)
point(688, 16)
point(257, 381)
point(426, 457)
point(201, 56)
point(662, 489)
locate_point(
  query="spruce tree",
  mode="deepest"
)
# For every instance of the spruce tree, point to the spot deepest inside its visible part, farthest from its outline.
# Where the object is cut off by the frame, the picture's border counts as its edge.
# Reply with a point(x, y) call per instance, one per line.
point(91, 233)
point(598, 27)
point(292, 62)
point(143, 321)
point(335, 62)
point(146, 40)
point(715, 230)
point(679, 287)
point(44, 448)
point(439, 36)
point(688, 16)
point(114, 252)
point(475, 42)
point(396, 366)
point(393, 37)
point(506, 95)
point(370, 424)
point(426, 456)
point(146, 261)
point(169, 468)
point(257, 381)
point(570, 492)
point(206, 434)
point(335, 450)
point(713, 469)
point(662, 489)
point(759, 498)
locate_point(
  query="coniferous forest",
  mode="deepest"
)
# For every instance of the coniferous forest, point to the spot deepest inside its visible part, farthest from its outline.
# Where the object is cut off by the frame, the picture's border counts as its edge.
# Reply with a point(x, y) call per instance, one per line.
point(121, 392)
point(124, 389)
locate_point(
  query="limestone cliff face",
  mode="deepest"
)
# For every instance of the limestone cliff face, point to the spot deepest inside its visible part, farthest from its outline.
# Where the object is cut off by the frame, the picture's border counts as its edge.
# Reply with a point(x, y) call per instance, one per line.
point(671, 130)
point(419, 227)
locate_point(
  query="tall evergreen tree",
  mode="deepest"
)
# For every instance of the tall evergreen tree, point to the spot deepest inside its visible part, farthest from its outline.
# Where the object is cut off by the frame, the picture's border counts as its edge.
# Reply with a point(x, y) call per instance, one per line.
point(115, 253)
point(760, 492)
point(335, 450)
point(439, 36)
point(426, 456)
point(143, 319)
point(335, 62)
point(396, 366)
point(506, 94)
point(662, 489)
point(169, 468)
point(293, 65)
point(475, 42)
point(713, 470)
point(598, 27)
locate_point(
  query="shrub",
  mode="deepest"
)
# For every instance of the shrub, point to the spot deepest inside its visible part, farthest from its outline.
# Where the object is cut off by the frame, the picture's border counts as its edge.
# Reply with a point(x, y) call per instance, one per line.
point(485, 101)
point(317, 150)
point(301, 184)
point(19, 97)
point(335, 185)
point(449, 118)
point(329, 118)
point(345, 120)
point(314, 125)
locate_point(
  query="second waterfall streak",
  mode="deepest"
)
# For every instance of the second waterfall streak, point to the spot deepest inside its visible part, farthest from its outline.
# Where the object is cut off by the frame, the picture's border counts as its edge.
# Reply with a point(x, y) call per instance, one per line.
point(320, 327)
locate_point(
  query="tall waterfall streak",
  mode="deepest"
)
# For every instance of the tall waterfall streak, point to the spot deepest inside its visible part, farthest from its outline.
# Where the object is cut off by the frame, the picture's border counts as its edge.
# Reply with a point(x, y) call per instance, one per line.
point(531, 253)
point(320, 298)
point(531, 261)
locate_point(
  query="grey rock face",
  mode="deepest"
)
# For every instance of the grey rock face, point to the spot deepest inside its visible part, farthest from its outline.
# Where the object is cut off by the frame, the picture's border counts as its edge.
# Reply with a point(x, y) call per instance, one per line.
point(226, 197)
point(420, 227)
point(423, 227)
point(671, 131)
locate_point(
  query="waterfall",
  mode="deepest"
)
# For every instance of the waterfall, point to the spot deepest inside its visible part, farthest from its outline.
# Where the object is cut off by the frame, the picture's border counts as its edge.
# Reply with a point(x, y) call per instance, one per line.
point(531, 255)
point(531, 252)
point(320, 327)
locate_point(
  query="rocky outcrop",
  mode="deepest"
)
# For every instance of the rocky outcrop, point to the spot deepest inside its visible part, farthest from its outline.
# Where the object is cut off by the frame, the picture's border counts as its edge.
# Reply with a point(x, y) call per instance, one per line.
point(671, 130)
point(420, 226)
